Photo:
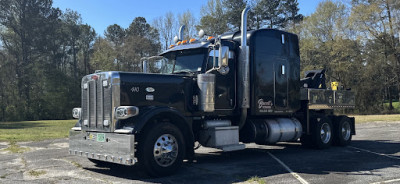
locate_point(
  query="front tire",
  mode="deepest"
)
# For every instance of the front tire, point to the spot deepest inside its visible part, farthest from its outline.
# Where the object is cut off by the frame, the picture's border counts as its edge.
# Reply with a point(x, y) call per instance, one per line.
point(161, 149)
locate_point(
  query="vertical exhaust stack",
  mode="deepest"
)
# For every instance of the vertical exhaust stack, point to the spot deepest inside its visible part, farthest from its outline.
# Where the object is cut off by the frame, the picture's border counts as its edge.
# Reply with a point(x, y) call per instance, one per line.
point(244, 63)
point(145, 65)
point(181, 29)
point(244, 86)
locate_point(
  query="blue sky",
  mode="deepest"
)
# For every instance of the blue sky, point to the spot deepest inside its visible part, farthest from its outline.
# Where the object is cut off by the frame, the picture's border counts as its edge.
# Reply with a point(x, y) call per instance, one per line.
point(101, 13)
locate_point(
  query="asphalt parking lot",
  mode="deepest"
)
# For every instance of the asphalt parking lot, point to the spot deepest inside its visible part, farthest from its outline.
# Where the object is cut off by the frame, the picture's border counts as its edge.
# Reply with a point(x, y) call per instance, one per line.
point(374, 156)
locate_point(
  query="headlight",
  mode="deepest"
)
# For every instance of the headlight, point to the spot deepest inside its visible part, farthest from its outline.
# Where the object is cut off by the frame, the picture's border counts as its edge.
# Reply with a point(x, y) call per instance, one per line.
point(125, 112)
point(76, 113)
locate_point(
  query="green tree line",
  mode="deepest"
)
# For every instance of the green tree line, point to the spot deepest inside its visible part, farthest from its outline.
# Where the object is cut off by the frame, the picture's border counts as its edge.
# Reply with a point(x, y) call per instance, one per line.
point(45, 51)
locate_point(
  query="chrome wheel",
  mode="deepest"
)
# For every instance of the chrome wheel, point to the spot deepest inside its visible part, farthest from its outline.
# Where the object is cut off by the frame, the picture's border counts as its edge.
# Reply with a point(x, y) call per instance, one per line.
point(346, 130)
point(165, 150)
point(325, 133)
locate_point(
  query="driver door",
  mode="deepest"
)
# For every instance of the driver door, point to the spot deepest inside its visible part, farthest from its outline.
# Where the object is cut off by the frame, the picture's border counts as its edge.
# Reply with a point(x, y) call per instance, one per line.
point(224, 85)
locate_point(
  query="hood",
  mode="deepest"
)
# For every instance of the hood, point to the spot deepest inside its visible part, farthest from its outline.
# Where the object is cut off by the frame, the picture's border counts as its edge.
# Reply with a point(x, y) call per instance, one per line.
point(144, 90)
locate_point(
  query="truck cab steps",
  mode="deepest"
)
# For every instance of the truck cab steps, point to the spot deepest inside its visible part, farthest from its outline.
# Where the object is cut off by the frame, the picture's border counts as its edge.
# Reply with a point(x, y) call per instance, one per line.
point(232, 147)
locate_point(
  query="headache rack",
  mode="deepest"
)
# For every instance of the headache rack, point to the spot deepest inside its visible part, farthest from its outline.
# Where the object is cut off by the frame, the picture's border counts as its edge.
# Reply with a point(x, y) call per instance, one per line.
point(327, 99)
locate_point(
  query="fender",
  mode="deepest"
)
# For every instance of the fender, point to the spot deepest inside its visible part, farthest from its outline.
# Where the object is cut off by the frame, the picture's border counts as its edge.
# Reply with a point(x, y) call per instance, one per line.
point(78, 124)
point(147, 114)
point(184, 125)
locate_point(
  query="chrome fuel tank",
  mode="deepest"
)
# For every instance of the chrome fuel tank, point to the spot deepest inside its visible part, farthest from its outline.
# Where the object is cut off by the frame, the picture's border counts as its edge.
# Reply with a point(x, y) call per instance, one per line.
point(269, 131)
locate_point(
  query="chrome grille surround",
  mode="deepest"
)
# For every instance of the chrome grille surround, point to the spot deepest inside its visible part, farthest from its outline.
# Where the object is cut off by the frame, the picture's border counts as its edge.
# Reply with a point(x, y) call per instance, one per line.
point(100, 97)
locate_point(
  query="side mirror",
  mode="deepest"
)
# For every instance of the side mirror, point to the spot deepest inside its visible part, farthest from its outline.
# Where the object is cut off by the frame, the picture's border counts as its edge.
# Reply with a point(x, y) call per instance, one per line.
point(223, 56)
point(147, 62)
point(145, 66)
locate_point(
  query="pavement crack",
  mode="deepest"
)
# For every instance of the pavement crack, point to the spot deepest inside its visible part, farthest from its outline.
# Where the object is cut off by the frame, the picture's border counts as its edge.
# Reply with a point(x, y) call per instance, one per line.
point(79, 167)
point(380, 154)
point(207, 170)
point(76, 164)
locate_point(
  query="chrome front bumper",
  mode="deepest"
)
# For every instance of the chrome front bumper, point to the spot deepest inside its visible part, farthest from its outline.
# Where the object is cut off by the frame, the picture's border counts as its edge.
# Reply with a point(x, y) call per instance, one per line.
point(110, 147)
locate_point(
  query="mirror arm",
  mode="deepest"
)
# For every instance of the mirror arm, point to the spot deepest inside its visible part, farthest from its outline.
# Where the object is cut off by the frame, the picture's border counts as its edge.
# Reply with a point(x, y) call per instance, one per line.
point(214, 57)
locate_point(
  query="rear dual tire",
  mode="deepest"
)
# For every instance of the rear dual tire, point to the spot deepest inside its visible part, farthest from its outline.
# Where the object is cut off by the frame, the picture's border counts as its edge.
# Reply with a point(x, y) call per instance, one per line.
point(321, 133)
point(342, 131)
point(324, 133)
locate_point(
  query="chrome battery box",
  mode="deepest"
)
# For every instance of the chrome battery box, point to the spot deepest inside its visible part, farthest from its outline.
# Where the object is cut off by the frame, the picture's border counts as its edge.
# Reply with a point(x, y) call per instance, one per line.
point(217, 137)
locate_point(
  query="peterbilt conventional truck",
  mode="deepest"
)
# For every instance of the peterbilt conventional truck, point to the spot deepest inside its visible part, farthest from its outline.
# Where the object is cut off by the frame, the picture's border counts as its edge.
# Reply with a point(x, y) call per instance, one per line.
point(222, 92)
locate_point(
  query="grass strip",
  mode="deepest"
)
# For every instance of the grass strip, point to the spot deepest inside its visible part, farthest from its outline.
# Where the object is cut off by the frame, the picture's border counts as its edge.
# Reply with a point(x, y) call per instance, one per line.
point(374, 118)
point(36, 173)
point(35, 130)
point(14, 148)
point(255, 179)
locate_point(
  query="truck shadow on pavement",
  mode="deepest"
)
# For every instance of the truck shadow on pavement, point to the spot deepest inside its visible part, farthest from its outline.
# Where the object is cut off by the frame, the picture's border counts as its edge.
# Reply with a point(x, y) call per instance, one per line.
point(218, 167)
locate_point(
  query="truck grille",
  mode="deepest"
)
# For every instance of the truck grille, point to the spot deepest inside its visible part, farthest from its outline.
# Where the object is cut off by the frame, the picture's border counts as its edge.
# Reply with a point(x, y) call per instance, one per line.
point(98, 101)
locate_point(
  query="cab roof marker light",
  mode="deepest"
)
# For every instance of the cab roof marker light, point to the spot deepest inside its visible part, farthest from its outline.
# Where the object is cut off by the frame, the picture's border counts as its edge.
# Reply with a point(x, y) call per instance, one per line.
point(192, 40)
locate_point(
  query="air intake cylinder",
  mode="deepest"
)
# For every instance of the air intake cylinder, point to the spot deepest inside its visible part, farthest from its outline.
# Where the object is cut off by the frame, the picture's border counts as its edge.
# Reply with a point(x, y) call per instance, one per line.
point(206, 83)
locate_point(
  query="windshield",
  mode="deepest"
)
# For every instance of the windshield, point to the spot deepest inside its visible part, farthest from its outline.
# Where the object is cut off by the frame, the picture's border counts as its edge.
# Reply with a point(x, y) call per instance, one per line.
point(182, 62)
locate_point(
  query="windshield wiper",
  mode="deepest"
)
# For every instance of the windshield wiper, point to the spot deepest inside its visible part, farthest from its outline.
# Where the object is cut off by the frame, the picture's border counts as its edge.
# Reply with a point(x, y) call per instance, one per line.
point(184, 71)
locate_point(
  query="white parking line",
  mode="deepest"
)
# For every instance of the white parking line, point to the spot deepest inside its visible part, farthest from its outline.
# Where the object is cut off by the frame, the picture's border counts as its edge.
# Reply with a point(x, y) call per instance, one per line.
point(381, 154)
point(297, 176)
point(387, 181)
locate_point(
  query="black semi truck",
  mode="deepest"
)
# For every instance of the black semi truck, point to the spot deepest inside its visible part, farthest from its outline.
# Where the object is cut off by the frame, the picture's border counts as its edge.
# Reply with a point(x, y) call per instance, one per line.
point(222, 92)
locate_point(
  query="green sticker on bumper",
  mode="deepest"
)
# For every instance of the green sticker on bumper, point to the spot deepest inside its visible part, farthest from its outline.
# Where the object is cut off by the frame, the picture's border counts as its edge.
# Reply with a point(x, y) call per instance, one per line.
point(101, 137)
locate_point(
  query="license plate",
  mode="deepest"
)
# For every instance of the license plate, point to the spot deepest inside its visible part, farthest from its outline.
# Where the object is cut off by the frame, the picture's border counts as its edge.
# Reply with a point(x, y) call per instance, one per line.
point(101, 137)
